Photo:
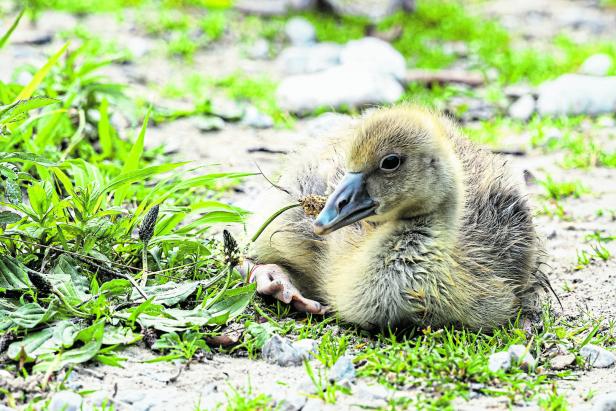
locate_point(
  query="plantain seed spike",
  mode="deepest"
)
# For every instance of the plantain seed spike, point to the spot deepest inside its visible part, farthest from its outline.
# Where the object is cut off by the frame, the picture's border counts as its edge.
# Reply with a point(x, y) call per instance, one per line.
point(146, 230)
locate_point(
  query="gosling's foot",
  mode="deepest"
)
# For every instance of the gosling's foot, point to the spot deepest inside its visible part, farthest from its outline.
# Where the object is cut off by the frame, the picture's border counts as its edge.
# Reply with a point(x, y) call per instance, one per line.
point(272, 280)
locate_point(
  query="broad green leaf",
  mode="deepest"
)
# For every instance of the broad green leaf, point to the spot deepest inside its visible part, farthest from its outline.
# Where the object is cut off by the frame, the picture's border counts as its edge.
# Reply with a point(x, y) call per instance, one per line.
point(69, 282)
point(31, 87)
point(13, 275)
point(32, 345)
point(215, 217)
point(168, 294)
point(115, 287)
point(28, 315)
point(8, 173)
point(260, 332)
point(40, 201)
point(92, 337)
point(233, 302)
point(119, 335)
point(5, 37)
point(8, 217)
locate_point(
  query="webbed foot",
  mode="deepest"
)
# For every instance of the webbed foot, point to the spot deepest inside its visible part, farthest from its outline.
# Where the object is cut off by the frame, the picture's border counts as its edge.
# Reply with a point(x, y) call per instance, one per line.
point(272, 280)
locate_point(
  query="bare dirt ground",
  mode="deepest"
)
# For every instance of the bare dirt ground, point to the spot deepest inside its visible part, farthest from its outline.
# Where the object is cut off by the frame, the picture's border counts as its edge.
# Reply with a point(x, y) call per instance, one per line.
point(160, 386)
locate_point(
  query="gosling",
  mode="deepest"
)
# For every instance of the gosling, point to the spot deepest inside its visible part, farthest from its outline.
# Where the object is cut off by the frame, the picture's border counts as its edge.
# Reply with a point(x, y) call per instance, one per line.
point(420, 228)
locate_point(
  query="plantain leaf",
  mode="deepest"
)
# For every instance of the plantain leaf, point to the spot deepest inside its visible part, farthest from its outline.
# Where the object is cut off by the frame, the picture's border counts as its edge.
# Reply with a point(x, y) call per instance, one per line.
point(233, 302)
point(92, 337)
point(8, 217)
point(13, 275)
point(28, 315)
point(168, 294)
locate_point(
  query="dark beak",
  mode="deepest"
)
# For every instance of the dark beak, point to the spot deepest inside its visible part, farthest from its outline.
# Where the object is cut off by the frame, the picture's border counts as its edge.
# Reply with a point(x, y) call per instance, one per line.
point(350, 202)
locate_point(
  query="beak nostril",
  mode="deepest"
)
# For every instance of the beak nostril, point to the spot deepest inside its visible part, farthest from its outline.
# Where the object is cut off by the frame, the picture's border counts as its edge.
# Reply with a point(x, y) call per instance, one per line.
point(341, 204)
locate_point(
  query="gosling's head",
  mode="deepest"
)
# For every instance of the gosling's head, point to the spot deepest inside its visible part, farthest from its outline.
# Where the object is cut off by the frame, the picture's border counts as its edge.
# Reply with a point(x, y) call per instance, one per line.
point(399, 164)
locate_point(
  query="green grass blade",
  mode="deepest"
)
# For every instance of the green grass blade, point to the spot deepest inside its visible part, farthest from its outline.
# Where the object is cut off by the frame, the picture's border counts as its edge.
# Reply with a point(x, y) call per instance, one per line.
point(31, 87)
point(7, 35)
point(132, 161)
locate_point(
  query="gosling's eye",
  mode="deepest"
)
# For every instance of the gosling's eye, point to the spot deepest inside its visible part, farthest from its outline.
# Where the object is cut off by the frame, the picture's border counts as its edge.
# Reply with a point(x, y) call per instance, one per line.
point(390, 163)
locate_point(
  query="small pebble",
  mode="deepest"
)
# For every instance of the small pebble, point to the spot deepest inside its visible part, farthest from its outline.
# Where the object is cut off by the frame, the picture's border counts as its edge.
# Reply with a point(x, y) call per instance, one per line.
point(278, 350)
point(597, 357)
point(499, 361)
point(290, 402)
point(342, 370)
point(65, 401)
point(208, 123)
point(259, 50)
point(306, 347)
point(300, 31)
point(521, 356)
point(562, 361)
point(523, 108)
point(597, 65)
point(255, 118)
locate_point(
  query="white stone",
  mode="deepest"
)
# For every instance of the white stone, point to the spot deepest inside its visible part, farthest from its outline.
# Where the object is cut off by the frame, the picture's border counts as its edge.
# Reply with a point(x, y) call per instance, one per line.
point(278, 350)
point(343, 369)
point(259, 50)
point(597, 65)
point(373, 9)
point(309, 59)
point(335, 87)
point(300, 31)
point(306, 347)
point(499, 361)
point(572, 94)
point(521, 357)
point(605, 402)
point(256, 119)
point(374, 54)
point(65, 401)
point(522, 108)
point(597, 357)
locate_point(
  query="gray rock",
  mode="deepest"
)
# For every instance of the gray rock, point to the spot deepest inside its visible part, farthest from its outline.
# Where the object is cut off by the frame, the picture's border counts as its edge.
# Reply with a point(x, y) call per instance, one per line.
point(521, 357)
point(259, 50)
point(226, 109)
point(373, 9)
point(572, 94)
point(309, 59)
point(376, 55)
point(208, 123)
point(65, 401)
point(499, 361)
point(300, 31)
point(522, 108)
point(278, 350)
point(306, 347)
point(597, 65)
point(273, 7)
point(372, 392)
point(605, 402)
point(342, 370)
point(335, 87)
point(597, 357)
point(562, 361)
point(254, 118)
